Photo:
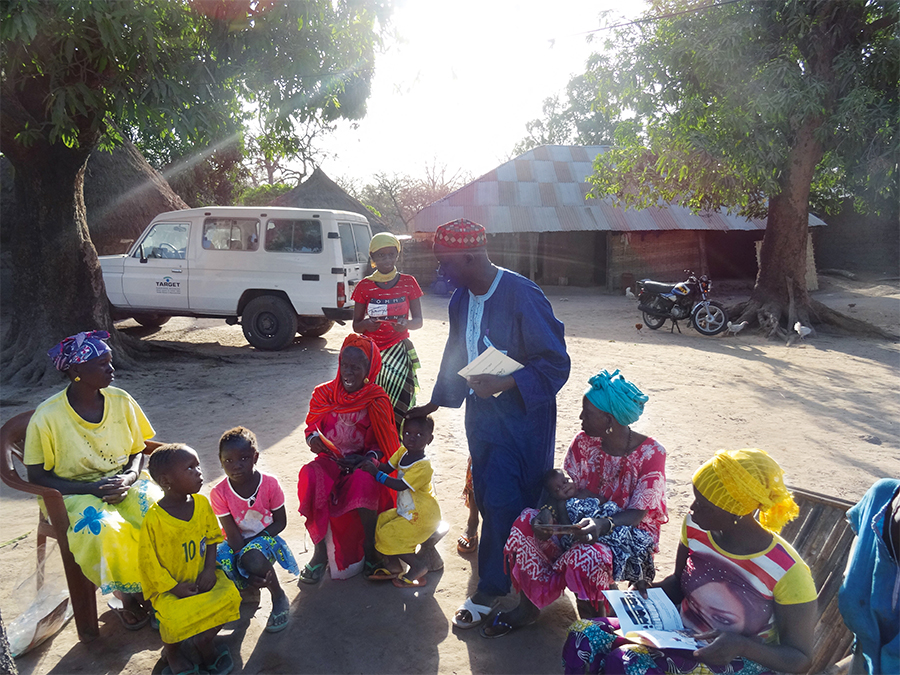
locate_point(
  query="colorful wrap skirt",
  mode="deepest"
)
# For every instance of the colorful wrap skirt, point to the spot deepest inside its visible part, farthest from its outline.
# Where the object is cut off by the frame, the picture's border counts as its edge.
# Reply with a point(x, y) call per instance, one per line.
point(274, 548)
point(542, 570)
point(397, 377)
point(104, 537)
point(593, 646)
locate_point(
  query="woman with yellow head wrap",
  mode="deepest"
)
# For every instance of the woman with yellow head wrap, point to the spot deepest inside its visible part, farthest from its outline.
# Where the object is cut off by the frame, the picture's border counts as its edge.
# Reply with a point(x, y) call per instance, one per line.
point(387, 307)
point(738, 582)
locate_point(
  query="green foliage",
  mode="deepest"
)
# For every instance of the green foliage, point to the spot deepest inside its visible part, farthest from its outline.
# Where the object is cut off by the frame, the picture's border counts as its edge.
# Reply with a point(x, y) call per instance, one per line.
point(177, 72)
point(262, 195)
point(573, 121)
point(713, 102)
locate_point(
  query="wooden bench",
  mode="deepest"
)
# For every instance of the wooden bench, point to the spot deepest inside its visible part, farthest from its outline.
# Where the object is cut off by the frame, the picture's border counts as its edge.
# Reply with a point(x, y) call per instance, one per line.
point(822, 536)
point(82, 592)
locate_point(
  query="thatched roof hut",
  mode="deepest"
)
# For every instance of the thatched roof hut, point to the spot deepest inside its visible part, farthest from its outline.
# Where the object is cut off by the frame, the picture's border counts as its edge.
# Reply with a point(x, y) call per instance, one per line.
point(122, 194)
point(320, 192)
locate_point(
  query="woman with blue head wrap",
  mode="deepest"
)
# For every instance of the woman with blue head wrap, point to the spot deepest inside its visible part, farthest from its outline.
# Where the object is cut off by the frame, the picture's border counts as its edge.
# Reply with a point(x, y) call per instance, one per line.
point(617, 482)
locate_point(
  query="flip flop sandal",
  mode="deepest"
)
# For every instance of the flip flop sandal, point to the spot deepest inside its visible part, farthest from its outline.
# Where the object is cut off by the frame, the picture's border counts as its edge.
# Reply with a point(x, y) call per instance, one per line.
point(467, 545)
point(223, 664)
point(193, 671)
point(477, 614)
point(498, 627)
point(311, 574)
point(121, 612)
point(278, 622)
point(382, 574)
point(402, 582)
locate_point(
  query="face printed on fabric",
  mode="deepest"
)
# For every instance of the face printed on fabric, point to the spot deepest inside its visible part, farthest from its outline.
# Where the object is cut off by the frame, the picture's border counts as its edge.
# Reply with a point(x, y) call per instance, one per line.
point(185, 476)
point(238, 459)
point(594, 421)
point(97, 373)
point(561, 486)
point(416, 436)
point(385, 259)
point(718, 608)
point(718, 596)
point(354, 369)
point(709, 516)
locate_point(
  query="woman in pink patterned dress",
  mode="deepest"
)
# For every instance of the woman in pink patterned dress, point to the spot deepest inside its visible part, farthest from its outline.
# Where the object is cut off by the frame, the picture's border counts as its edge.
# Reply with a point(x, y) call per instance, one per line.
point(606, 458)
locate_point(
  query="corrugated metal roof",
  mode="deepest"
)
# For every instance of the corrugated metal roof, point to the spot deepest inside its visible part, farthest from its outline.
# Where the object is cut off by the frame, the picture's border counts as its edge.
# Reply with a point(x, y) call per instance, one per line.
point(544, 191)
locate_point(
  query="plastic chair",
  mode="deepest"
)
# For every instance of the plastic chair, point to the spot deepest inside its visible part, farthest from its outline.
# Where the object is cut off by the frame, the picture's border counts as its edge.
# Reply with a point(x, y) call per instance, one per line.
point(82, 592)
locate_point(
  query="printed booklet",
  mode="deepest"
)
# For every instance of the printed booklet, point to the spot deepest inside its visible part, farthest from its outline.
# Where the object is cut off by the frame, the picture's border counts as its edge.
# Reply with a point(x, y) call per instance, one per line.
point(654, 621)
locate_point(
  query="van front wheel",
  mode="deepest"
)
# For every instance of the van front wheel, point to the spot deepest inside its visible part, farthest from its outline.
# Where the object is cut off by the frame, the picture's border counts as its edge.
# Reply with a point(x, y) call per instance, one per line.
point(269, 323)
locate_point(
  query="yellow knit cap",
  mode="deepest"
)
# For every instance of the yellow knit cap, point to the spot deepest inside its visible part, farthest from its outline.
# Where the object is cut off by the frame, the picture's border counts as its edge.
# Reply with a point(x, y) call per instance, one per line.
point(742, 481)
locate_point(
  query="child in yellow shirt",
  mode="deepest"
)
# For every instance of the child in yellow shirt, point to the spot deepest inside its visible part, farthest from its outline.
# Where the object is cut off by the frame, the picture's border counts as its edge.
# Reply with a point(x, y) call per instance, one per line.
point(399, 531)
point(178, 571)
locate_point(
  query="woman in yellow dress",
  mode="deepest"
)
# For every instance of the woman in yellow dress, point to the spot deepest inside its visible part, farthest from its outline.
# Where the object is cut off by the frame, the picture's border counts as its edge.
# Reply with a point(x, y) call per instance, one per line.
point(87, 442)
point(178, 565)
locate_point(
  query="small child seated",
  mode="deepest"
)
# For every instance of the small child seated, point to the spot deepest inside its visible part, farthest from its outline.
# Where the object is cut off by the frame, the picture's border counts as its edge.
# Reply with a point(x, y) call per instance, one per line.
point(177, 566)
point(566, 505)
point(250, 508)
point(399, 531)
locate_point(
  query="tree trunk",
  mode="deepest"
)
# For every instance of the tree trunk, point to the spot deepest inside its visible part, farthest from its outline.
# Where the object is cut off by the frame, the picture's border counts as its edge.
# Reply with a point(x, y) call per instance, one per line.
point(58, 285)
point(7, 664)
point(782, 260)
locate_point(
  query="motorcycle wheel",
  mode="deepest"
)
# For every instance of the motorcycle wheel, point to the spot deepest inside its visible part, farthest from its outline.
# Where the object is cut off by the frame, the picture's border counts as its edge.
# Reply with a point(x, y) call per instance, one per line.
point(653, 322)
point(709, 318)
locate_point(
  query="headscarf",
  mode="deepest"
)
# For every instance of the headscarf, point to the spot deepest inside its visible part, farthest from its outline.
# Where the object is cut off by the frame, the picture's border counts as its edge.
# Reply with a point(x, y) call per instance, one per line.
point(331, 397)
point(383, 240)
point(80, 348)
point(461, 233)
point(742, 481)
point(617, 396)
point(378, 242)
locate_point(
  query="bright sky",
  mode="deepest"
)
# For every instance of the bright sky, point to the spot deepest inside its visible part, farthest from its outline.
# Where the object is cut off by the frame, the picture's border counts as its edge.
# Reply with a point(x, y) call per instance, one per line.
point(463, 80)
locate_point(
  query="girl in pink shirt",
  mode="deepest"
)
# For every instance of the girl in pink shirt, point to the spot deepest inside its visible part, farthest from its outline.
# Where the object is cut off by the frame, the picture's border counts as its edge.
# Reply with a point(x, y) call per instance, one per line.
point(250, 508)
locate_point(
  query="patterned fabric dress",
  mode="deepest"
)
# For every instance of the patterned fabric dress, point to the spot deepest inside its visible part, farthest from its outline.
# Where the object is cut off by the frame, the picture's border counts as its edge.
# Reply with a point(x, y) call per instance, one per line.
point(103, 537)
point(722, 591)
point(542, 570)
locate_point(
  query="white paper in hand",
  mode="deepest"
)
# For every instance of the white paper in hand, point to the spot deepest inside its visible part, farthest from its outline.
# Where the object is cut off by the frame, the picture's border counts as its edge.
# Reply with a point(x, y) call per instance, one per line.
point(491, 362)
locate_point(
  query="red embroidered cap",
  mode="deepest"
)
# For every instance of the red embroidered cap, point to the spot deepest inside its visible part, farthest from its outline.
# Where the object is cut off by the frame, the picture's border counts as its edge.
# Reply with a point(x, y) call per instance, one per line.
point(460, 233)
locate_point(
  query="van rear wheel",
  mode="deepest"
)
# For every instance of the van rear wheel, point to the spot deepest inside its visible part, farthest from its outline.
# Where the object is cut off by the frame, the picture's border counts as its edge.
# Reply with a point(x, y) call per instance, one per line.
point(314, 326)
point(269, 323)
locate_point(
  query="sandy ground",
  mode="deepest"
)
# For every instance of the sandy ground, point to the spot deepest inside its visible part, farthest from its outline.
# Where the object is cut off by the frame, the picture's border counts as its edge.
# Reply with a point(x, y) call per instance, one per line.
point(827, 409)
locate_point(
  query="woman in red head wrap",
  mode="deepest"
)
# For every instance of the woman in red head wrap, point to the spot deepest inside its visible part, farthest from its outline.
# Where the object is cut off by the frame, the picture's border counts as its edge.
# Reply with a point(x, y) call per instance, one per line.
point(350, 418)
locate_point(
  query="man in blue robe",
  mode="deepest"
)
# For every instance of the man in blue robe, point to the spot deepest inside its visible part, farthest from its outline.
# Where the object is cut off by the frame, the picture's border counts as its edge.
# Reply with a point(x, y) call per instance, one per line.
point(512, 435)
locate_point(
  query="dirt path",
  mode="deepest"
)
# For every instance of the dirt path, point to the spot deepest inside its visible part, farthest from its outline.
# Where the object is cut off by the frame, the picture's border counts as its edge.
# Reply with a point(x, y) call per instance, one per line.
point(826, 409)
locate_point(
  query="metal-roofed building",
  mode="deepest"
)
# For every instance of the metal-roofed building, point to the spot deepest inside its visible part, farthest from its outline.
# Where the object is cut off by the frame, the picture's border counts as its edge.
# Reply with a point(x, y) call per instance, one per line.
point(541, 224)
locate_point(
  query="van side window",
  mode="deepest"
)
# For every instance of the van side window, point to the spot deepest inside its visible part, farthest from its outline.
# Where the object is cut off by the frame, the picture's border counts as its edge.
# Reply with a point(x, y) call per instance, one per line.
point(293, 236)
point(165, 240)
point(354, 242)
point(231, 234)
point(362, 236)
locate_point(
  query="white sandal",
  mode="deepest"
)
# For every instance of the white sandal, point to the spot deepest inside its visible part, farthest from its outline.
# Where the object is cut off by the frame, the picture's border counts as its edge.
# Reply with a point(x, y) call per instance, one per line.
point(479, 613)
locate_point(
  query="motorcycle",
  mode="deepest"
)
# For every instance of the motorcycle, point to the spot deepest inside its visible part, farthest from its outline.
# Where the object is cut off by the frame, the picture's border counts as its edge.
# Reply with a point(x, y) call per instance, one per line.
point(688, 299)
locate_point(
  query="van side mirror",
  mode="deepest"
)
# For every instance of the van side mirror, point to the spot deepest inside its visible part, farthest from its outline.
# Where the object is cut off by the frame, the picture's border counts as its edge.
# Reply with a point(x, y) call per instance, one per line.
point(141, 249)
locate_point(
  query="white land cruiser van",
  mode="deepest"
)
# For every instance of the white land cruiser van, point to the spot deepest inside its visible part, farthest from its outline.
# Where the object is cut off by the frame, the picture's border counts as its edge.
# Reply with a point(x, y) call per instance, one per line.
point(279, 270)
